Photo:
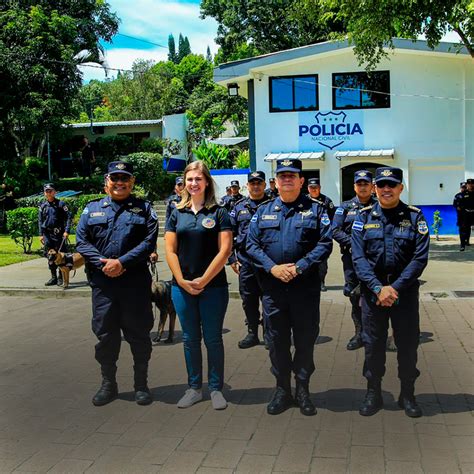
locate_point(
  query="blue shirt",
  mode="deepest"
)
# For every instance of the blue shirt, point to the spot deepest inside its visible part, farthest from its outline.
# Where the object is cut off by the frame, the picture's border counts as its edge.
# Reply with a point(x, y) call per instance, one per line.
point(197, 236)
point(297, 232)
point(54, 217)
point(121, 230)
point(390, 246)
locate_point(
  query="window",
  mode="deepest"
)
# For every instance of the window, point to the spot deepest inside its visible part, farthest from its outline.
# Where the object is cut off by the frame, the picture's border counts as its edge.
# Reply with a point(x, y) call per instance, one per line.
point(361, 90)
point(293, 93)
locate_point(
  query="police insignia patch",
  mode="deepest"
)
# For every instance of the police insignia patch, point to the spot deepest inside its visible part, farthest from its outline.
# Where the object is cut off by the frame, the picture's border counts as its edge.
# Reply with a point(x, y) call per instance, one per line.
point(254, 218)
point(357, 225)
point(232, 214)
point(422, 227)
point(120, 166)
point(287, 163)
point(325, 219)
point(85, 211)
point(136, 210)
point(255, 174)
point(208, 223)
point(339, 211)
point(153, 215)
point(405, 223)
point(306, 213)
point(386, 173)
point(362, 173)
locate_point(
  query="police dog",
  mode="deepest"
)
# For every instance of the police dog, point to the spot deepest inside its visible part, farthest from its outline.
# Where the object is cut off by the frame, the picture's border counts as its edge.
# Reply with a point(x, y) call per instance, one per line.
point(161, 296)
point(65, 262)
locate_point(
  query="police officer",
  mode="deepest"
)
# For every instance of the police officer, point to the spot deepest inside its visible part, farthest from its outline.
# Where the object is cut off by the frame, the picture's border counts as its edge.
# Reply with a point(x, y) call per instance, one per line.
point(175, 198)
point(241, 262)
point(229, 201)
point(115, 235)
point(464, 203)
point(271, 191)
point(390, 243)
point(288, 238)
point(314, 192)
point(341, 230)
point(54, 223)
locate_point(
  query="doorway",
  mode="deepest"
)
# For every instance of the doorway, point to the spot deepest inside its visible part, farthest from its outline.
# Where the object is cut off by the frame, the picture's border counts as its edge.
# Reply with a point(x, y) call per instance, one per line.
point(309, 174)
point(347, 177)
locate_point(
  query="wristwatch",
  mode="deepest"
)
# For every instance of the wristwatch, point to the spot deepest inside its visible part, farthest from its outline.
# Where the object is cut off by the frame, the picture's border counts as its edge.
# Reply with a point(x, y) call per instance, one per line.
point(299, 270)
point(377, 289)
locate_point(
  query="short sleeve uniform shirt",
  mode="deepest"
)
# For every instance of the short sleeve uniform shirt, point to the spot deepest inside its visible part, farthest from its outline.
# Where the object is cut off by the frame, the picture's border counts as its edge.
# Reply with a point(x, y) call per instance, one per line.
point(197, 236)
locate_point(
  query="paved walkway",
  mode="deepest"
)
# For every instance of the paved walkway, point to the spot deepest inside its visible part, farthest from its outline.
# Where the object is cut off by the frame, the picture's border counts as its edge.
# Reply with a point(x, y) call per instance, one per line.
point(48, 376)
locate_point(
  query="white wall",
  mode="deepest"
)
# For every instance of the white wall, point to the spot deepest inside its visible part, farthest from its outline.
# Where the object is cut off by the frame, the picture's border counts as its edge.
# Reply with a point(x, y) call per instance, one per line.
point(417, 128)
point(174, 128)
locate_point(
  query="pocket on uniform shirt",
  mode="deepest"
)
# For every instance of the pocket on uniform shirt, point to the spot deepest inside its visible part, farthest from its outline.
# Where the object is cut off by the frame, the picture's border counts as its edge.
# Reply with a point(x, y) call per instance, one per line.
point(98, 225)
point(137, 220)
point(268, 230)
point(374, 240)
point(306, 230)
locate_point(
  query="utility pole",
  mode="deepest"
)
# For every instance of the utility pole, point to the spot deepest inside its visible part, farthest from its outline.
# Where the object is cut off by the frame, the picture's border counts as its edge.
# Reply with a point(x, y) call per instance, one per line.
point(49, 156)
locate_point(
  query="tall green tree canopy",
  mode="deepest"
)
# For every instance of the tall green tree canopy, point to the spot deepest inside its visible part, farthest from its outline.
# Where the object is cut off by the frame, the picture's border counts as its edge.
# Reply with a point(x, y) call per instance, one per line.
point(371, 24)
point(41, 44)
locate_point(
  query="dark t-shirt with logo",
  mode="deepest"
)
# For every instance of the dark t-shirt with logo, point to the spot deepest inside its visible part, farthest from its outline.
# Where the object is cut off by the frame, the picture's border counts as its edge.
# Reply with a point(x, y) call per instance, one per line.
point(197, 236)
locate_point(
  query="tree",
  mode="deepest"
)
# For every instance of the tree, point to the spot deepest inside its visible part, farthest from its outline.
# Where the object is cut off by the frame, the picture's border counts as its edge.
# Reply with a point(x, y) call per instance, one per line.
point(172, 56)
point(250, 26)
point(208, 55)
point(371, 24)
point(183, 47)
point(41, 44)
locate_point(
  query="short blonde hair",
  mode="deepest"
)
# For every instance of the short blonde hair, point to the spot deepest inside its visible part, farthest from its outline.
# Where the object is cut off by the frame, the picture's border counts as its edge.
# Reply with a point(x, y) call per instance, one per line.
point(210, 193)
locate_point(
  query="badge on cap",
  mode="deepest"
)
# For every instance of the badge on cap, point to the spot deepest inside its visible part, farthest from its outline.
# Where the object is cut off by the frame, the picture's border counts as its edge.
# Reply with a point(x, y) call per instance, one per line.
point(208, 223)
point(287, 163)
point(362, 173)
point(120, 166)
point(255, 174)
point(386, 173)
point(422, 227)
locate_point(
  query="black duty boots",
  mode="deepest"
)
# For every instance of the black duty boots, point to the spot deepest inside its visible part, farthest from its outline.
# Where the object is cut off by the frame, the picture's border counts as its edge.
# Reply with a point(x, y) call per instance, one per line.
point(250, 340)
point(281, 401)
point(355, 342)
point(373, 401)
point(303, 399)
point(142, 392)
point(108, 391)
point(407, 400)
point(60, 279)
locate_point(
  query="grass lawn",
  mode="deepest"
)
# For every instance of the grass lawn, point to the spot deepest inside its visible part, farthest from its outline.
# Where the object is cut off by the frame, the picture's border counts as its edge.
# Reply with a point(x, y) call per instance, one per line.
point(12, 253)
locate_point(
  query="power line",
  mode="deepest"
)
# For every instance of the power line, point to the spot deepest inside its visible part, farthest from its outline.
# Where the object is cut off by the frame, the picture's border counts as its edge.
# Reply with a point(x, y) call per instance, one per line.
point(142, 40)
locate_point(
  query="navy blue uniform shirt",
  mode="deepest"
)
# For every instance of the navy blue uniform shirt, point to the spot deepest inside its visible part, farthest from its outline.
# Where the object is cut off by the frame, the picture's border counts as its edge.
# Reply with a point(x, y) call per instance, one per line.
point(229, 201)
point(343, 219)
point(197, 236)
point(240, 217)
point(171, 203)
point(297, 232)
point(125, 230)
point(390, 247)
point(327, 204)
point(54, 217)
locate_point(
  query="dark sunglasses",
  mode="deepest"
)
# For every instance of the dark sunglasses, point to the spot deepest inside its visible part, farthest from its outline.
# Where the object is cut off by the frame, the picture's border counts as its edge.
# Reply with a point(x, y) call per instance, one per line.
point(125, 178)
point(390, 184)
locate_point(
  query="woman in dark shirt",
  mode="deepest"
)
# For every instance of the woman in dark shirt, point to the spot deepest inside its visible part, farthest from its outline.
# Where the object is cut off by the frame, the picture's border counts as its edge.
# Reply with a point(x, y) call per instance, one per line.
point(198, 242)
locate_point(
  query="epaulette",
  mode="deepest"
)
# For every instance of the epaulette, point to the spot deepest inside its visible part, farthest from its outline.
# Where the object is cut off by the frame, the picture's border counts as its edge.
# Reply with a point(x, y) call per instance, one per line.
point(265, 202)
point(367, 208)
point(95, 200)
point(240, 200)
point(413, 208)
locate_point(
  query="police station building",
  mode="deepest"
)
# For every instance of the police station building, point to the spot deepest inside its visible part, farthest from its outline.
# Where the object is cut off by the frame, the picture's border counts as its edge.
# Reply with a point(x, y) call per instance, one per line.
point(315, 103)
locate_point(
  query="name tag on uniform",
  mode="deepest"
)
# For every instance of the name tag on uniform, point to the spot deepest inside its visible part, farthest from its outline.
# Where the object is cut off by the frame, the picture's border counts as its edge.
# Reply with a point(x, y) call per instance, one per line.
point(351, 213)
point(97, 214)
point(269, 217)
point(244, 211)
point(372, 226)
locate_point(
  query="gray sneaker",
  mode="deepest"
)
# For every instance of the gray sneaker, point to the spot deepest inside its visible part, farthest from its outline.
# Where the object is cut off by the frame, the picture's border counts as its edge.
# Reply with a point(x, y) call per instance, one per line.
point(190, 397)
point(218, 400)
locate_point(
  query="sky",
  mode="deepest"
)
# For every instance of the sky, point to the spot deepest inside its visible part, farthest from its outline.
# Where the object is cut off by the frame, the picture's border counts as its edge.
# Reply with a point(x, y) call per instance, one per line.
point(154, 20)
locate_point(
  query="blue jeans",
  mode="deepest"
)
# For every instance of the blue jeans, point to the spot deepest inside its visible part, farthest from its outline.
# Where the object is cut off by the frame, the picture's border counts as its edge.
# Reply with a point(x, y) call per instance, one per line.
point(206, 311)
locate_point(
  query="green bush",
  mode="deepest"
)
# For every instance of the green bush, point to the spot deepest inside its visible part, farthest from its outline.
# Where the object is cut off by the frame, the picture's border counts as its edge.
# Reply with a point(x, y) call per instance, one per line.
point(242, 160)
point(214, 156)
point(92, 185)
point(22, 224)
point(151, 145)
point(24, 176)
point(149, 172)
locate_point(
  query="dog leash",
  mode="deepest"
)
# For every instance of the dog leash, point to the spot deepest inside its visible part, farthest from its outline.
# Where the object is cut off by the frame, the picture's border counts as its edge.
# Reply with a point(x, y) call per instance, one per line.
point(65, 239)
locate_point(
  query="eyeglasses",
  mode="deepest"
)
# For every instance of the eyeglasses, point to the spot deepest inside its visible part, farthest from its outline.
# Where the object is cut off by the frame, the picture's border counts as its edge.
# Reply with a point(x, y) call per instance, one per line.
point(390, 184)
point(125, 178)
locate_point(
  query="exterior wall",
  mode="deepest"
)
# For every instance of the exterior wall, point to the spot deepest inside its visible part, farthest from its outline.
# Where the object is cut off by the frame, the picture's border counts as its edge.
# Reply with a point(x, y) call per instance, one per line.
point(432, 138)
point(174, 128)
point(155, 131)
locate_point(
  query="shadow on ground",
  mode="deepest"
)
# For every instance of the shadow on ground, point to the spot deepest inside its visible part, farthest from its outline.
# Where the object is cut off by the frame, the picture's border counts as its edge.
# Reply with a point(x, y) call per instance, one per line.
point(451, 253)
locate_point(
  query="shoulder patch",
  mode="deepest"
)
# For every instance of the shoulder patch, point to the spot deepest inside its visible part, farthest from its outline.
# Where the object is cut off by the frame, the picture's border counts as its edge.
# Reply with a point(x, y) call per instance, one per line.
point(413, 208)
point(357, 225)
point(340, 211)
point(422, 227)
point(325, 219)
point(153, 214)
point(85, 211)
point(254, 218)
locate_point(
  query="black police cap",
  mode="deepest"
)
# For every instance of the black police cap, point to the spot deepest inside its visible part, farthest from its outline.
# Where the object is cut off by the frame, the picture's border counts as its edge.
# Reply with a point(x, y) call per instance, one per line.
point(292, 165)
point(470, 181)
point(363, 175)
point(256, 175)
point(179, 180)
point(234, 183)
point(313, 182)
point(120, 167)
point(388, 173)
point(49, 186)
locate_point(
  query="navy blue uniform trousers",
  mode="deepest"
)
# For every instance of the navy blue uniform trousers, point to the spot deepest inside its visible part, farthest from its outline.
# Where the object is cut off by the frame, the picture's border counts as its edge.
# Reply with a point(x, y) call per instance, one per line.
point(250, 293)
point(350, 282)
point(405, 321)
point(287, 311)
point(117, 308)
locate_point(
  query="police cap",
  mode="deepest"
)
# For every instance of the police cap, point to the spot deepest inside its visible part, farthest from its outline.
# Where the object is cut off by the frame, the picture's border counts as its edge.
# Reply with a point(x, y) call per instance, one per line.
point(313, 182)
point(256, 176)
point(179, 180)
point(227, 188)
point(462, 184)
point(271, 180)
point(470, 181)
point(234, 183)
point(120, 167)
point(288, 164)
point(388, 173)
point(48, 186)
point(363, 175)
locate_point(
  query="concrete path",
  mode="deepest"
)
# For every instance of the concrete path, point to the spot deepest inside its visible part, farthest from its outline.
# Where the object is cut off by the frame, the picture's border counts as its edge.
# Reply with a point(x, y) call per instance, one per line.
point(48, 376)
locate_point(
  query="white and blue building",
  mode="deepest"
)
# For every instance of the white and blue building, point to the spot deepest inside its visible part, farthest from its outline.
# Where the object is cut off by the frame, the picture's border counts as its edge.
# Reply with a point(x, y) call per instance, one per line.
point(316, 103)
